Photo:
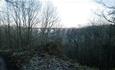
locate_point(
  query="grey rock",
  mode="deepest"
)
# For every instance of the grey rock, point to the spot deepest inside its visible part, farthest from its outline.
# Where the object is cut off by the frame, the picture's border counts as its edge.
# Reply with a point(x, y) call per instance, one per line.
point(48, 63)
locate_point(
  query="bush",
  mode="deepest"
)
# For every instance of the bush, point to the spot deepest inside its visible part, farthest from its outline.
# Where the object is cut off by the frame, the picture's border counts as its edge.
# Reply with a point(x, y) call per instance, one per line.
point(93, 46)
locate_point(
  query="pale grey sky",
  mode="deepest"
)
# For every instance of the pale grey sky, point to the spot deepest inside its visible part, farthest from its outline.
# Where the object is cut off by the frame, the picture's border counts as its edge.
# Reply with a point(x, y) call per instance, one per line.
point(74, 13)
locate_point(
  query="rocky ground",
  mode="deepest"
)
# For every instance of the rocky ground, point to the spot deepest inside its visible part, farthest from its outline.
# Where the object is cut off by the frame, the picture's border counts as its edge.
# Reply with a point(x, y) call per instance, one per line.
point(48, 62)
point(43, 61)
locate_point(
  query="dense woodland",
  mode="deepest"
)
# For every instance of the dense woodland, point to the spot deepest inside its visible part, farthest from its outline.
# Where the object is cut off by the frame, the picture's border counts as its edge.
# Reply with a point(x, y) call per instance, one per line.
point(28, 28)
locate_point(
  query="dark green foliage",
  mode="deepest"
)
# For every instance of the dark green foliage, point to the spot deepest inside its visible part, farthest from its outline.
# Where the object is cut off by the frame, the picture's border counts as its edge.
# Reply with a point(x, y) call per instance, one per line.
point(93, 46)
point(21, 47)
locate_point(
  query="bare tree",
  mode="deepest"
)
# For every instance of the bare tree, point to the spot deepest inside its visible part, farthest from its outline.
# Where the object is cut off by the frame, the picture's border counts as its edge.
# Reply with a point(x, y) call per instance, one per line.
point(24, 14)
point(49, 20)
point(107, 15)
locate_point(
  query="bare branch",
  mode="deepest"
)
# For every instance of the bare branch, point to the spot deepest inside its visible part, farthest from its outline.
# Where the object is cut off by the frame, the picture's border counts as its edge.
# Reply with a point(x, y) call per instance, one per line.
point(102, 3)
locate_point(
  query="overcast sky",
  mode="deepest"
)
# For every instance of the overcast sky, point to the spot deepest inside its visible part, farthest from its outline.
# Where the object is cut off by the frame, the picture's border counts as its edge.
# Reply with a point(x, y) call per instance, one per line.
point(74, 13)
